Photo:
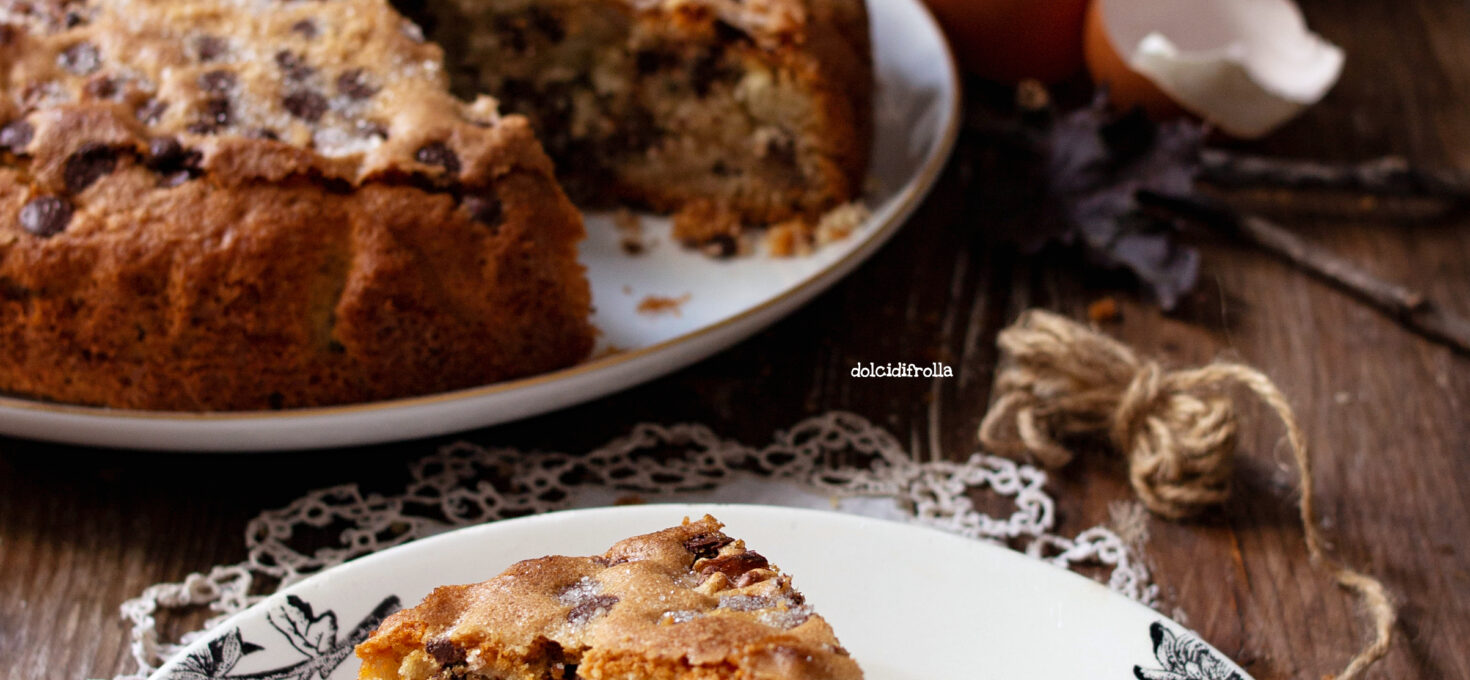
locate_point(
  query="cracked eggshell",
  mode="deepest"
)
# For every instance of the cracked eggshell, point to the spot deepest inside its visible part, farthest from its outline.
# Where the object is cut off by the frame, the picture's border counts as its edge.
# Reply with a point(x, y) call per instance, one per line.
point(1246, 66)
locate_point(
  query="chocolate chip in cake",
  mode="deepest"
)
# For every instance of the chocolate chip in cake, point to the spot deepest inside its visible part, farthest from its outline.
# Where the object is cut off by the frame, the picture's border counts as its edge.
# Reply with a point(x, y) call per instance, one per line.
point(216, 114)
point(547, 24)
point(102, 87)
point(305, 28)
point(734, 565)
point(726, 33)
point(438, 153)
point(588, 609)
point(88, 164)
point(780, 149)
point(650, 61)
point(720, 246)
point(486, 210)
point(640, 131)
point(263, 133)
point(355, 84)
point(8, 34)
point(706, 70)
point(218, 81)
point(208, 48)
point(45, 216)
point(151, 111)
point(293, 65)
point(446, 653)
point(306, 105)
point(16, 136)
point(707, 545)
point(81, 59)
point(164, 152)
point(510, 33)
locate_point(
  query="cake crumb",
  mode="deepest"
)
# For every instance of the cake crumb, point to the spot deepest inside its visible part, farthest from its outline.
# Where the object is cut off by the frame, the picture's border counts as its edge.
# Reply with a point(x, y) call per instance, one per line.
point(630, 232)
point(788, 239)
point(655, 305)
point(839, 223)
point(710, 227)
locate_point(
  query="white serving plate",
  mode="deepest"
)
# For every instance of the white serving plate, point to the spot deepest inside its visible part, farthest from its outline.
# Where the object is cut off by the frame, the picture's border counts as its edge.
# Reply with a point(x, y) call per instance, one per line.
point(909, 603)
point(917, 118)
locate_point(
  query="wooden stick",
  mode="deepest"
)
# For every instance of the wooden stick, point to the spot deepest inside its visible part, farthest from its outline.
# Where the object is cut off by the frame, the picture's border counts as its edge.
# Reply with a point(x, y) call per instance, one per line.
point(1387, 176)
point(1410, 307)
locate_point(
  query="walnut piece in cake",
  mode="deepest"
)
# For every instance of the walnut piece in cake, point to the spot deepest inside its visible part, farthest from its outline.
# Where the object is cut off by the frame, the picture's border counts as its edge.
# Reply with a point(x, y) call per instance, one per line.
point(685, 603)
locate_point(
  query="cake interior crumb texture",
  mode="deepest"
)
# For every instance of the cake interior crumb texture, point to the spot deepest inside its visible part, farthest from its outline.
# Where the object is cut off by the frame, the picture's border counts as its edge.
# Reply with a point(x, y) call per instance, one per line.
point(685, 603)
point(761, 105)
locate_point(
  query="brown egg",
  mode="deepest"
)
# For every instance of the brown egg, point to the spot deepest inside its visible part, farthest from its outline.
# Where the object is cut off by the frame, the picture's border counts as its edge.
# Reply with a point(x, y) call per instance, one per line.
point(1126, 88)
point(1009, 40)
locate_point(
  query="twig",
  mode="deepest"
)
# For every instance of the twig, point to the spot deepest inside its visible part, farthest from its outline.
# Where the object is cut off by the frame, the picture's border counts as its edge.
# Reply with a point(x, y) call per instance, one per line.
point(1387, 176)
point(1410, 307)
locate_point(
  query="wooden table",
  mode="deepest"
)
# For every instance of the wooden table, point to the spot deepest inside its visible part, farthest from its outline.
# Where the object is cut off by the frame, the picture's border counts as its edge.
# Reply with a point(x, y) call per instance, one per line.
point(82, 530)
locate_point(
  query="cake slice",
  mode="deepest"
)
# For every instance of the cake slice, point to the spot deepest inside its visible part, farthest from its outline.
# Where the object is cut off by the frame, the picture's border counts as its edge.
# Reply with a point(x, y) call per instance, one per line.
point(232, 205)
point(683, 603)
point(761, 108)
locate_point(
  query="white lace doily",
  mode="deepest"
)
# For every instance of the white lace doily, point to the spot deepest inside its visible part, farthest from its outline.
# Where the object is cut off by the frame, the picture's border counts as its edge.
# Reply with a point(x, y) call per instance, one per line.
point(837, 460)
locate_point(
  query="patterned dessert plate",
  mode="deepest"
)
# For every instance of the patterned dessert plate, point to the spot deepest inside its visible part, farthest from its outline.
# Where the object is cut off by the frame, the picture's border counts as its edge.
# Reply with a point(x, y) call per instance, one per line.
point(657, 311)
point(909, 603)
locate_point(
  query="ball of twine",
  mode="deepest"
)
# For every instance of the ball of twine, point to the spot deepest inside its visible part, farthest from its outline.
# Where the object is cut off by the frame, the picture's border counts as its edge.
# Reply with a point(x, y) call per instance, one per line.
point(1061, 381)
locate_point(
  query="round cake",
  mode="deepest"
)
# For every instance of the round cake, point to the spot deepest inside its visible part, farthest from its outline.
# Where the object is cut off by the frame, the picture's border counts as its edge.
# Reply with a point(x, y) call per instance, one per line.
point(265, 204)
point(212, 205)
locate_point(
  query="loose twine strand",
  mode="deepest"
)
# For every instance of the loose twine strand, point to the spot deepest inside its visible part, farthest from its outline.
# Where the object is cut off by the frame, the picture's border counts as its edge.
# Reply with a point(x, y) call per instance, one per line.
point(1177, 429)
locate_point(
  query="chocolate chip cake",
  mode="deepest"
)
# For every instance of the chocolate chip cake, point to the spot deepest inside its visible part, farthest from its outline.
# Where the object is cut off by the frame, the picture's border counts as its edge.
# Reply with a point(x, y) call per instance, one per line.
point(251, 204)
point(761, 107)
point(686, 603)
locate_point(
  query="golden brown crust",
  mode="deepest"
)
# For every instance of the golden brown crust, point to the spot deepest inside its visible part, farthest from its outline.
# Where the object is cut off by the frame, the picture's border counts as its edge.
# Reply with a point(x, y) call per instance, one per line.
point(686, 602)
point(211, 267)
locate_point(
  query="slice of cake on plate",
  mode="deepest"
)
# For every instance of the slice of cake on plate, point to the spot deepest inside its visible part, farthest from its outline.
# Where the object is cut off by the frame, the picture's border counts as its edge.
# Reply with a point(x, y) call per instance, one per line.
point(683, 603)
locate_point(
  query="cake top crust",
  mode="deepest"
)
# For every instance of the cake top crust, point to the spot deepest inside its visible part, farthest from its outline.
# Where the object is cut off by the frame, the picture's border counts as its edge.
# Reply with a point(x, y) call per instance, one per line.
point(688, 596)
point(344, 91)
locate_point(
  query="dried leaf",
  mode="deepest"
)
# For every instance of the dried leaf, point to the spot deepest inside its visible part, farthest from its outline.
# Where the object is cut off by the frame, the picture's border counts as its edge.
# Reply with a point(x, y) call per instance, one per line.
point(1091, 164)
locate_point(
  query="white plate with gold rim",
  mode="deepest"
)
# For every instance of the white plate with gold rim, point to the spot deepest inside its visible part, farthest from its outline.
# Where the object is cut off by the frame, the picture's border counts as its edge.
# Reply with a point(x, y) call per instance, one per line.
point(717, 303)
point(909, 602)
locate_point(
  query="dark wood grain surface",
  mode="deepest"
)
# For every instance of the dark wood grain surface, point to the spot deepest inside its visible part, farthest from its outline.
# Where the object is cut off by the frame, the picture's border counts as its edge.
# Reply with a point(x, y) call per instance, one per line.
point(83, 530)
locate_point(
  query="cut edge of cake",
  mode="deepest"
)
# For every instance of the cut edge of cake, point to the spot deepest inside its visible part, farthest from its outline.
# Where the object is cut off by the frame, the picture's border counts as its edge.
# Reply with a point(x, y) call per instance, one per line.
point(688, 602)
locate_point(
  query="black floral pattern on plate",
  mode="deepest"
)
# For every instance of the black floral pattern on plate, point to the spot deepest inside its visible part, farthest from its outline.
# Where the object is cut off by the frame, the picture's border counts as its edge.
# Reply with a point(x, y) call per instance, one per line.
point(1183, 657)
point(311, 634)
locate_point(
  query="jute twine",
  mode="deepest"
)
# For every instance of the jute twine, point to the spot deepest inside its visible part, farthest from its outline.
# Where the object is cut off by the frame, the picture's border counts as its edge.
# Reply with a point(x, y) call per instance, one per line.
point(1060, 380)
